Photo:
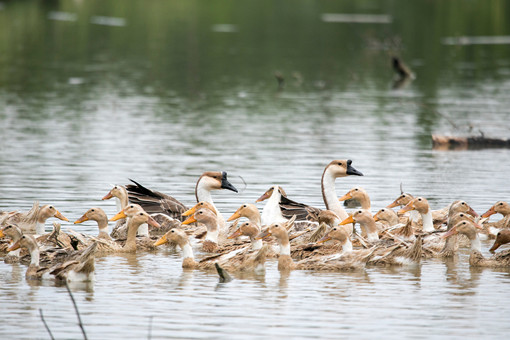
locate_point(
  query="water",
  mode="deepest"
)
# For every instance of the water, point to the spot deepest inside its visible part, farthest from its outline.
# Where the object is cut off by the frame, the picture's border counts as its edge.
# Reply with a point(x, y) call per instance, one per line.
point(93, 93)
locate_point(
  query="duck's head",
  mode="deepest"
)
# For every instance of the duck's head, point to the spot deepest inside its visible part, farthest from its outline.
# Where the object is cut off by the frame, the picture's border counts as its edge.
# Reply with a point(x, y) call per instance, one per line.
point(500, 207)
point(246, 210)
point(129, 211)
point(361, 216)
point(48, 211)
point(198, 206)
point(95, 214)
point(461, 206)
point(25, 241)
point(11, 231)
point(336, 233)
point(174, 235)
point(143, 217)
point(461, 216)
point(328, 217)
point(357, 193)
point(385, 214)
point(503, 237)
point(418, 203)
point(203, 215)
point(215, 180)
point(465, 227)
point(403, 199)
point(342, 168)
point(270, 191)
point(118, 191)
point(245, 229)
point(277, 230)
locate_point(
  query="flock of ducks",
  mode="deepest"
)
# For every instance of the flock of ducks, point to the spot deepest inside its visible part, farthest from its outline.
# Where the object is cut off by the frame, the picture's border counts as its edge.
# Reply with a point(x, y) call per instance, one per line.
point(299, 236)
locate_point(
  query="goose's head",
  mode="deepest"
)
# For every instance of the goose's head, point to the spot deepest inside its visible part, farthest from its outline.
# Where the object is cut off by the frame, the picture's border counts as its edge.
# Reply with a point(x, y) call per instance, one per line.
point(277, 230)
point(215, 180)
point(95, 214)
point(503, 237)
point(129, 211)
point(118, 191)
point(246, 229)
point(403, 199)
point(25, 241)
point(245, 210)
point(465, 227)
point(357, 193)
point(11, 231)
point(174, 235)
point(361, 216)
point(418, 203)
point(342, 168)
point(48, 211)
point(500, 207)
point(337, 233)
point(204, 216)
point(461, 206)
point(270, 191)
point(198, 206)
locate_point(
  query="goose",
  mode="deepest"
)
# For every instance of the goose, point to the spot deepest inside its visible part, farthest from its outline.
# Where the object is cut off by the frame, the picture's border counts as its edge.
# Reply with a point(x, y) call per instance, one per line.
point(98, 215)
point(359, 194)
point(157, 202)
point(237, 260)
point(32, 222)
point(476, 259)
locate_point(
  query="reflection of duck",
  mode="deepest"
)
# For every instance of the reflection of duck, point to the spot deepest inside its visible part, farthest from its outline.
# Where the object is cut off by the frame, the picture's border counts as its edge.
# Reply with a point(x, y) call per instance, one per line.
point(476, 259)
point(156, 202)
point(33, 221)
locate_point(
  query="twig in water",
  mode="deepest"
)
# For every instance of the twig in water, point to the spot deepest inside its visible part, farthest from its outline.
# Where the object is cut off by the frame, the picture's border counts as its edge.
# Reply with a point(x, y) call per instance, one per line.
point(150, 328)
point(77, 312)
point(45, 324)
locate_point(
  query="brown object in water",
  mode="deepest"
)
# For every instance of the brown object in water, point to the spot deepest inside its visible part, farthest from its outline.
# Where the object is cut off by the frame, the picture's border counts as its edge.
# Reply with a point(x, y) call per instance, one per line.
point(464, 143)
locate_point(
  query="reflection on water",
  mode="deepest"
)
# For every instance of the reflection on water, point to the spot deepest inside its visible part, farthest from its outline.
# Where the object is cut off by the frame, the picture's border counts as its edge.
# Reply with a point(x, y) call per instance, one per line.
point(93, 93)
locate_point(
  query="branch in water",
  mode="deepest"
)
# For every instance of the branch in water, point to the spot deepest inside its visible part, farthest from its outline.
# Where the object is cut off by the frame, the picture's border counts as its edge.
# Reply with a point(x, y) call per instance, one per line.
point(45, 324)
point(77, 312)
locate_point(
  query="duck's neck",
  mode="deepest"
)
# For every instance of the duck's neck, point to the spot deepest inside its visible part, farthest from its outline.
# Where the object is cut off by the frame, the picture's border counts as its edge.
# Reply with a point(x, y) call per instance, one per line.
point(102, 224)
point(285, 246)
point(34, 255)
point(365, 202)
point(329, 194)
point(255, 244)
point(254, 217)
point(212, 234)
point(271, 213)
point(428, 225)
point(131, 235)
point(347, 246)
point(40, 228)
point(475, 242)
point(371, 228)
point(187, 251)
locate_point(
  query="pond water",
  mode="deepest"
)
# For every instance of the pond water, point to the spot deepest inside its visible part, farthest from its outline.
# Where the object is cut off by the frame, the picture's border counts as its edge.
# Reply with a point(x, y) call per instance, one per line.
point(93, 93)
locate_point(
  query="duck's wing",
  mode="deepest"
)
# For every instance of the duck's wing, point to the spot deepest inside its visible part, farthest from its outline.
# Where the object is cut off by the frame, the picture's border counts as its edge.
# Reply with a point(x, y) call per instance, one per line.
point(154, 202)
point(302, 211)
point(502, 256)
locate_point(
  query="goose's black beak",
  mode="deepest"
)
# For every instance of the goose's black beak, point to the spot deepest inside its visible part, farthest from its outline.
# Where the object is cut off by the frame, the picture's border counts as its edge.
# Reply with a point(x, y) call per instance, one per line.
point(351, 170)
point(225, 184)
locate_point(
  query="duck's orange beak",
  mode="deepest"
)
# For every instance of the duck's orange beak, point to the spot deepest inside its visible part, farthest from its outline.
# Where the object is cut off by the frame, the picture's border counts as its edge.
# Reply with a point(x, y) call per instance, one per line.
point(489, 212)
point(190, 220)
point(348, 220)
point(472, 212)
point(120, 214)
point(190, 211)
point(2, 233)
point(345, 197)
point(264, 234)
point(152, 222)
point(235, 234)
point(478, 226)
point(495, 246)
point(14, 246)
point(162, 240)
point(60, 216)
point(81, 219)
point(235, 215)
point(449, 233)
point(325, 238)
point(408, 207)
point(264, 196)
point(393, 205)
point(107, 196)
point(376, 216)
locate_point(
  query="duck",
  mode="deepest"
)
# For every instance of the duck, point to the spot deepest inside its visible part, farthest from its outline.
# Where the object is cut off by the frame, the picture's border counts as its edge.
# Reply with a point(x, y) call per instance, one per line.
point(476, 259)
point(248, 210)
point(34, 271)
point(157, 202)
point(500, 207)
point(79, 270)
point(459, 210)
point(366, 221)
point(387, 216)
point(210, 220)
point(422, 206)
point(98, 215)
point(272, 213)
point(14, 233)
point(359, 194)
point(32, 222)
point(438, 216)
point(286, 263)
point(132, 244)
point(503, 237)
point(237, 260)
point(251, 230)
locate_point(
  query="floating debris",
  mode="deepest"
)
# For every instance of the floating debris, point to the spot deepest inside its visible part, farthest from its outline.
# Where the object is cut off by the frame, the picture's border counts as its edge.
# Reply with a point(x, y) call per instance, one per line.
point(75, 81)
point(108, 21)
point(62, 16)
point(224, 28)
point(463, 143)
point(481, 40)
point(357, 18)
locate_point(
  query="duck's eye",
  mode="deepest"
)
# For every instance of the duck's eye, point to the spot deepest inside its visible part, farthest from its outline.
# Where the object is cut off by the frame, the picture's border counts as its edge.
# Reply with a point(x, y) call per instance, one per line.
point(356, 189)
point(382, 210)
point(244, 206)
point(141, 214)
point(463, 203)
point(334, 229)
point(51, 207)
point(92, 210)
point(173, 231)
point(501, 203)
point(131, 206)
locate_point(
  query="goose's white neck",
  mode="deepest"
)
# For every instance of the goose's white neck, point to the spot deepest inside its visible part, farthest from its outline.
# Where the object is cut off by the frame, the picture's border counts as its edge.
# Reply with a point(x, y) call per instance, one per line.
point(329, 195)
point(428, 225)
point(39, 228)
point(271, 213)
point(187, 251)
